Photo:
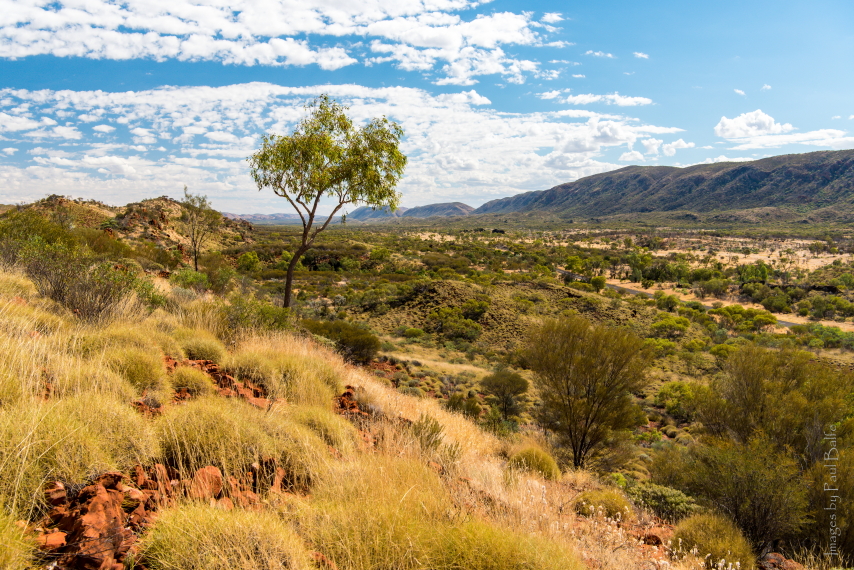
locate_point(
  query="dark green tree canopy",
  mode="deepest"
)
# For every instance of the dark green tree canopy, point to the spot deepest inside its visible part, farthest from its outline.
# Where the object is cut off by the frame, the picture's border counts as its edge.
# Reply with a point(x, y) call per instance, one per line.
point(327, 156)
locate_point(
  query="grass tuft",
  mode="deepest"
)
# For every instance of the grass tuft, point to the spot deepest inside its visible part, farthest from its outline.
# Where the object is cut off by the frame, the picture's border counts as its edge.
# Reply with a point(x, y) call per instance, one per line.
point(716, 536)
point(535, 460)
point(194, 380)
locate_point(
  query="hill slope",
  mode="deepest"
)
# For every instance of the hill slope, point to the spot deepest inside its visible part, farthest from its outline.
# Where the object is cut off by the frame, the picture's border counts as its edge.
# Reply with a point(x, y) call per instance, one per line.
point(796, 182)
point(446, 209)
point(367, 213)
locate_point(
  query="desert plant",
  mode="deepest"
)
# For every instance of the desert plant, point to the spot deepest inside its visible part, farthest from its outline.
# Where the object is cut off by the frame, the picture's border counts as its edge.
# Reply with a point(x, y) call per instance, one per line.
point(201, 345)
point(505, 386)
point(610, 502)
point(16, 549)
point(536, 460)
point(714, 538)
point(669, 504)
point(143, 369)
point(194, 380)
point(195, 537)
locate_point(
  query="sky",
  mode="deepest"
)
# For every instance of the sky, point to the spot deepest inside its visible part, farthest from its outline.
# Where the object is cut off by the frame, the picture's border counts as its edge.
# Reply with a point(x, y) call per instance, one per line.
point(122, 101)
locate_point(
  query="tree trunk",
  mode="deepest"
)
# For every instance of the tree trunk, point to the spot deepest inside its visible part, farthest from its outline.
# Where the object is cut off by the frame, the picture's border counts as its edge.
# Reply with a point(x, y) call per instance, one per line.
point(289, 280)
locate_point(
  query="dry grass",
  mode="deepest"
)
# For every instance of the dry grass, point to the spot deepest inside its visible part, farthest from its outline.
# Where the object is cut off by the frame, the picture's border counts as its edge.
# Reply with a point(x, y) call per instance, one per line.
point(193, 537)
point(16, 549)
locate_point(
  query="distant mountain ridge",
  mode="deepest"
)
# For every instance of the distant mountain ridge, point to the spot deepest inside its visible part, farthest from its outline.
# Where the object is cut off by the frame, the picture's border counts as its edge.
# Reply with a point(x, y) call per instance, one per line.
point(802, 183)
point(446, 209)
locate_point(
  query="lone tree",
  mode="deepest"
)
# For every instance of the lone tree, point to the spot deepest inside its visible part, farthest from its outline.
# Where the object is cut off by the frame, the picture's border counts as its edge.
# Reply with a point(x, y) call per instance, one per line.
point(505, 386)
point(328, 156)
point(586, 375)
point(200, 221)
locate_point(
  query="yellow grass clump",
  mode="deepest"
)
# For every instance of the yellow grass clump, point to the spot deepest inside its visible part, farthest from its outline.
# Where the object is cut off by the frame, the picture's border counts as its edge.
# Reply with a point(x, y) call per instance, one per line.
point(194, 537)
point(535, 460)
point(16, 549)
point(199, 344)
point(289, 367)
point(194, 380)
point(714, 537)
point(144, 369)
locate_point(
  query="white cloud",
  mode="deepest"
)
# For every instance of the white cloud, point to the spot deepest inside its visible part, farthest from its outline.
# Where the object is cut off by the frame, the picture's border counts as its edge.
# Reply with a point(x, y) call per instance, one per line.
point(10, 150)
point(423, 34)
point(103, 128)
point(651, 145)
point(755, 123)
point(550, 94)
point(723, 158)
point(599, 54)
point(578, 75)
point(738, 91)
point(756, 130)
point(459, 148)
point(559, 44)
point(669, 149)
point(765, 87)
point(641, 55)
point(631, 156)
point(834, 117)
point(610, 99)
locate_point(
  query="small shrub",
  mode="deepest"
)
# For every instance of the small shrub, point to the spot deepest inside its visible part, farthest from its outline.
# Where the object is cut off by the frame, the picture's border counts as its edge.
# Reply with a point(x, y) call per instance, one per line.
point(353, 343)
point(195, 537)
point(189, 279)
point(610, 502)
point(677, 398)
point(666, 503)
point(715, 536)
point(194, 380)
point(143, 369)
point(334, 429)
point(203, 346)
point(413, 333)
point(536, 460)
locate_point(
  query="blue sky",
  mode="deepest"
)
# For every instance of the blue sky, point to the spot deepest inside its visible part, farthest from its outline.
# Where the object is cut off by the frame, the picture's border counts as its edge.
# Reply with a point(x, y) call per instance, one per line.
point(123, 101)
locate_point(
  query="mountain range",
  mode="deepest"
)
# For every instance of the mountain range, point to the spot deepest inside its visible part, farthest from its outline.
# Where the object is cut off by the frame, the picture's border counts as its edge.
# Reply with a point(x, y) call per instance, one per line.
point(816, 182)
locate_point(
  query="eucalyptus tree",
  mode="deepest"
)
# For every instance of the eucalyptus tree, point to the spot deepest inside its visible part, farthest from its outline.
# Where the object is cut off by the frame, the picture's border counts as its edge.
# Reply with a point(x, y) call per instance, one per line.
point(328, 156)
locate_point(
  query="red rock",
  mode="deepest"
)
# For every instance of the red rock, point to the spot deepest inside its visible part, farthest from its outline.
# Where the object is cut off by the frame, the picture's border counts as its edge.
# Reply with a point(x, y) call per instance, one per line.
point(247, 500)
point(206, 484)
point(55, 494)
point(323, 561)
point(51, 540)
point(97, 532)
point(224, 503)
point(436, 467)
point(139, 476)
point(776, 561)
point(110, 479)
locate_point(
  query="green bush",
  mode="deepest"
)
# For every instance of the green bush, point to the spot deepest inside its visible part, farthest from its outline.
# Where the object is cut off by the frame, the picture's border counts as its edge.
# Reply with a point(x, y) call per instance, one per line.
point(249, 263)
point(666, 503)
point(677, 398)
point(450, 323)
point(413, 333)
point(246, 312)
point(189, 279)
point(715, 536)
point(536, 460)
point(610, 502)
point(196, 537)
point(354, 343)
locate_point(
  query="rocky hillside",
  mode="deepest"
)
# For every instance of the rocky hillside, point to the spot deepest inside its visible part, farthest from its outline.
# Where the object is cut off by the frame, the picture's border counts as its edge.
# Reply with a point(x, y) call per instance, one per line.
point(265, 219)
point(446, 209)
point(365, 213)
point(818, 183)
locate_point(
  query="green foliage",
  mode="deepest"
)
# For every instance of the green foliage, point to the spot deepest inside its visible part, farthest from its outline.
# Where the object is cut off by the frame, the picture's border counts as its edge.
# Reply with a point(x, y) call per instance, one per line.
point(413, 333)
point(428, 431)
point(16, 548)
point(753, 483)
point(597, 283)
point(245, 312)
point(669, 504)
point(474, 309)
point(355, 343)
point(200, 222)
point(190, 279)
point(469, 407)
point(714, 538)
point(536, 460)
point(219, 273)
point(713, 287)
point(197, 537)
point(327, 155)
point(450, 323)
point(660, 346)
point(586, 375)
point(610, 502)
point(737, 318)
point(665, 302)
point(505, 386)
point(143, 368)
point(249, 263)
point(678, 399)
point(668, 325)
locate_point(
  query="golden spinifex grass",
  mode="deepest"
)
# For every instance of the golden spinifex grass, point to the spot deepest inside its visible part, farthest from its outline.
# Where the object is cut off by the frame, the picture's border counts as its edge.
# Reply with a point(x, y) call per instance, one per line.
point(15, 547)
point(194, 537)
point(288, 367)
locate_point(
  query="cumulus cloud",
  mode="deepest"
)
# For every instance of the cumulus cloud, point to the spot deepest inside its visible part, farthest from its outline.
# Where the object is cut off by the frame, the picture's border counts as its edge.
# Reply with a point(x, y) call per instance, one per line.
point(631, 156)
point(459, 147)
point(10, 150)
point(599, 54)
point(641, 55)
point(670, 149)
point(104, 128)
point(414, 35)
point(723, 158)
point(756, 130)
point(755, 123)
point(651, 145)
point(579, 75)
point(765, 87)
point(738, 91)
